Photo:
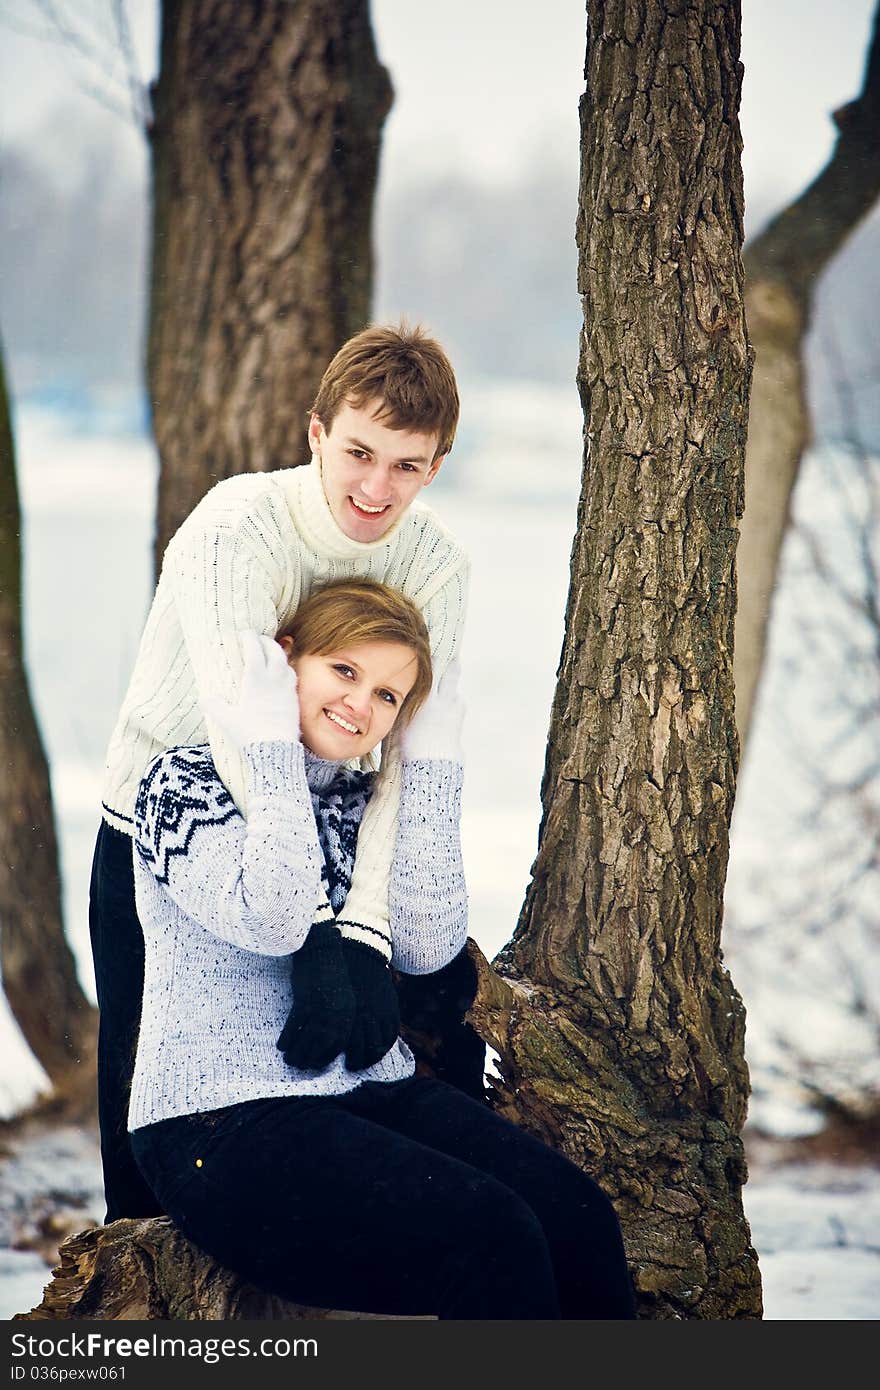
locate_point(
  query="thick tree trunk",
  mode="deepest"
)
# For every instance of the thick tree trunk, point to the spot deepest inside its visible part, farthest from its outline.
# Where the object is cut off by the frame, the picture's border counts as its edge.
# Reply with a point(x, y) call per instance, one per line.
point(39, 973)
point(268, 118)
point(620, 1031)
point(147, 1270)
point(783, 265)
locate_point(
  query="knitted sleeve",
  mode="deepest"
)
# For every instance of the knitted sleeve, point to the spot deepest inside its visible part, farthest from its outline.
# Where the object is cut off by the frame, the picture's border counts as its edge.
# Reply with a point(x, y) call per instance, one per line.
point(365, 915)
point(231, 567)
point(428, 898)
point(255, 883)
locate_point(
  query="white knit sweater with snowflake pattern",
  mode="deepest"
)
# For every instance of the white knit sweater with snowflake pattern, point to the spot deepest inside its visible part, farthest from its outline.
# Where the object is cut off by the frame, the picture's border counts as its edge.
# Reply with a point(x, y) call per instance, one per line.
point(224, 902)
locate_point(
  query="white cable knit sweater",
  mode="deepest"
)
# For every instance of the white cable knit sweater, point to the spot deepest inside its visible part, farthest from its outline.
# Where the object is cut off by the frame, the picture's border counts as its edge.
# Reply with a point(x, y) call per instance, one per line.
point(246, 557)
point(223, 903)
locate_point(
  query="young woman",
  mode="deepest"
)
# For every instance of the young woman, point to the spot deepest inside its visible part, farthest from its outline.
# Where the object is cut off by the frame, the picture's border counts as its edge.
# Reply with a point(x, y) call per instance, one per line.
point(274, 1110)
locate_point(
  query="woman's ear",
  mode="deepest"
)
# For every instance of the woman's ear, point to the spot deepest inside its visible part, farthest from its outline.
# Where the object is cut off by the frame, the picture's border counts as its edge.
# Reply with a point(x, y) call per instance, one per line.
point(286, 644)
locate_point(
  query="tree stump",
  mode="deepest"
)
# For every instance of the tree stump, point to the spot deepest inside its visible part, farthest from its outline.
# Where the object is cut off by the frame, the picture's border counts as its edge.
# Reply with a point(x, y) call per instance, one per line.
point(146, 1270)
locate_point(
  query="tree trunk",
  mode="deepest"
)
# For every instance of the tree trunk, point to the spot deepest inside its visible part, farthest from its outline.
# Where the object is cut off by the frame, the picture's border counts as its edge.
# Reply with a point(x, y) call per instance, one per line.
point(146, 1270)
point(39, 973)
point(783, 265)
point(265, 154)
point(620, 1031)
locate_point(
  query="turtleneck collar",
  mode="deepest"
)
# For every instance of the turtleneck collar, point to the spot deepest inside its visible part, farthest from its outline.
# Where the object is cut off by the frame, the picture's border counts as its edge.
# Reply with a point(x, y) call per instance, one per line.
point(320, 772)
point(310, 510)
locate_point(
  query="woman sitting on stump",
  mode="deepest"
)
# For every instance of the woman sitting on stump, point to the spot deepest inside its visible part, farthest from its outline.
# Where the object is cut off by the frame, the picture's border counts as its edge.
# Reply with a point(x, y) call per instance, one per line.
point(275, 1110)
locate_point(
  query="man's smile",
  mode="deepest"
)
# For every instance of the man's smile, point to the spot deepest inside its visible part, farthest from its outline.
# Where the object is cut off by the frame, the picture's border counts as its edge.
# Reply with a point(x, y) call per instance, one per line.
point(367, 509)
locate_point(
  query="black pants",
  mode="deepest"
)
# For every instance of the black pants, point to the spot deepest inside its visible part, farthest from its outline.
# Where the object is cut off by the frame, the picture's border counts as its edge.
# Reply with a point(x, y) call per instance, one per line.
point(400, 1198)
point(118, 954)
point(430, 1004)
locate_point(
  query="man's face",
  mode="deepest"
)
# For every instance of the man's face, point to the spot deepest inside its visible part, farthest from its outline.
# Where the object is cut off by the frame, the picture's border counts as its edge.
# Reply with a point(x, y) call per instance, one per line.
point(371, 472)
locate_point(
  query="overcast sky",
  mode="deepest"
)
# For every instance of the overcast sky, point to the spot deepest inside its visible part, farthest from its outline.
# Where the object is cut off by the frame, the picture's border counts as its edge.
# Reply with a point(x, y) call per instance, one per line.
point(484, 86)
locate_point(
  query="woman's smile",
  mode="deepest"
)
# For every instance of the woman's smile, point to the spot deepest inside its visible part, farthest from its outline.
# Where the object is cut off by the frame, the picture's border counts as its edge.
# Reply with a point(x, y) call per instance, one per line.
point(341, 722)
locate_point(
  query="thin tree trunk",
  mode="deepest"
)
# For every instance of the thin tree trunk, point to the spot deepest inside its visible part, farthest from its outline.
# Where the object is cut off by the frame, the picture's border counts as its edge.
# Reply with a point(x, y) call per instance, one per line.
point(783, 265)
point(268, 119)
point(620, 1031)
point(39, 973)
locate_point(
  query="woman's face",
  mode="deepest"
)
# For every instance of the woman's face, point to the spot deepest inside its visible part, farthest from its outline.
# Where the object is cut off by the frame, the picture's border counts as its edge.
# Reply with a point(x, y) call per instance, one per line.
point(350, 698)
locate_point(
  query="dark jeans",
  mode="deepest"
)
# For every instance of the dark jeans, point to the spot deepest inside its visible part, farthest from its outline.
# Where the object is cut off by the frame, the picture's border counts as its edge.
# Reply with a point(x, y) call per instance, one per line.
point(118, 953)
point(433, 1005)
point(401, 1198)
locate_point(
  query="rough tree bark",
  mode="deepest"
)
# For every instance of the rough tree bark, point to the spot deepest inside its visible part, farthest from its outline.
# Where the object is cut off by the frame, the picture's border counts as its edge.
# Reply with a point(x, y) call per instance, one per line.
point(148, 1270)
point(39, 972)
point(620, 1031)
point(782, 267)
point(268, 118)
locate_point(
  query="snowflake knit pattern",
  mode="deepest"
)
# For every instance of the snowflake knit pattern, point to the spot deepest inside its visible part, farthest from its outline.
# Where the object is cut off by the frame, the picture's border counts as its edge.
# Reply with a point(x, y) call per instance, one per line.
point(224, 901)
point(339, 799)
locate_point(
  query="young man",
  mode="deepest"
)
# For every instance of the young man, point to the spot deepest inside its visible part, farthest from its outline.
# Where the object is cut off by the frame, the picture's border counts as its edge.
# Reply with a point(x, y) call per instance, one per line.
point(247, 555)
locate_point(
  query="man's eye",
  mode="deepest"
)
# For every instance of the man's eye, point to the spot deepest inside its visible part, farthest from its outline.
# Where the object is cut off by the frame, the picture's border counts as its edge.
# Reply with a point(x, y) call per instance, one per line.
point(358, 453)
point(409, 468)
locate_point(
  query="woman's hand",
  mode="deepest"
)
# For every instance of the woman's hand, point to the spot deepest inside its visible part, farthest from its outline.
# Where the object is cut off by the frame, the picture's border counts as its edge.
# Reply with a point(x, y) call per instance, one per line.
point(323, 1011)
point(377, 1012)
point(435, 729)
point(268, 706)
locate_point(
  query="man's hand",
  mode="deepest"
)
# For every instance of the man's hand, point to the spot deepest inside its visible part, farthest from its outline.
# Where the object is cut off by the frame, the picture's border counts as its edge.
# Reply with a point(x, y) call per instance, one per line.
point(323, 1011)
point(268, 706)
point(377, 1012)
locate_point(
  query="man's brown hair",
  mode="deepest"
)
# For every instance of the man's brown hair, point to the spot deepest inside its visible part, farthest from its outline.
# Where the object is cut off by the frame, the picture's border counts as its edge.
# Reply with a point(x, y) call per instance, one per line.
point(406, 370)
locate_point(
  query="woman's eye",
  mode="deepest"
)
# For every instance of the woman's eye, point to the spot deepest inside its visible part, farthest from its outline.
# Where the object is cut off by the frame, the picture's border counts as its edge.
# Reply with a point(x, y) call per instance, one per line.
point(343, 670)
point(387, 696)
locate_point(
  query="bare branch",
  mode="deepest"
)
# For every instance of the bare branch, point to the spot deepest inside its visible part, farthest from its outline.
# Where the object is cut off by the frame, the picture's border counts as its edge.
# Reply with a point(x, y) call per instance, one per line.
point(800, 241)
point(17, 27)
point(140, 101)
point(100, 54)
point(809, 538)
point(124, 94)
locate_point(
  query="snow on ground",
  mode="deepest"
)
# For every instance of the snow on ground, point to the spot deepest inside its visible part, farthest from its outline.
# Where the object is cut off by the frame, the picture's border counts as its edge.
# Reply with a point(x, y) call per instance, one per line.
point(816, 1228)
point(51, 1182)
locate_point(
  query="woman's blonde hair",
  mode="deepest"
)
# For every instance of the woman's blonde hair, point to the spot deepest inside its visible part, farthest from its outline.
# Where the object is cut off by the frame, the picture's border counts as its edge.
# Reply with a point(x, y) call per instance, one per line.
point(349, 611)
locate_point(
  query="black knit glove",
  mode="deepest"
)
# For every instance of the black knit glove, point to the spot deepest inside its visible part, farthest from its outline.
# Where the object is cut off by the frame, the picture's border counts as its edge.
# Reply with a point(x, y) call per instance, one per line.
point(323, 1010)
point(377, 1013)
